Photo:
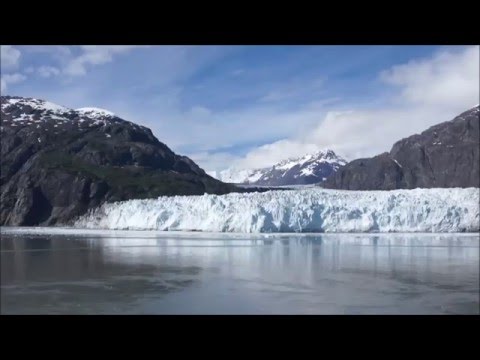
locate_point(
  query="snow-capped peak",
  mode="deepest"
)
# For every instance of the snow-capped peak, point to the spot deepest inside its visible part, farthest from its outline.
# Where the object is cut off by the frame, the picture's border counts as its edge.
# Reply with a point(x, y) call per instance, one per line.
point(36, 104)
point(307, 169)
point(28, 111)
point(29, 105)
point(94, 112)
point(326, 156)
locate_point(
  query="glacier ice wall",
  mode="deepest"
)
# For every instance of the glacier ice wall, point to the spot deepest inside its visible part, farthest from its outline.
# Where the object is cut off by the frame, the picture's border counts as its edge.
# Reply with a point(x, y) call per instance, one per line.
point(305, 210)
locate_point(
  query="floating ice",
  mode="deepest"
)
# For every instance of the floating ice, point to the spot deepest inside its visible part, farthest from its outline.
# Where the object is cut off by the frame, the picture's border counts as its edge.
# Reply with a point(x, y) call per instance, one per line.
point(305, 210)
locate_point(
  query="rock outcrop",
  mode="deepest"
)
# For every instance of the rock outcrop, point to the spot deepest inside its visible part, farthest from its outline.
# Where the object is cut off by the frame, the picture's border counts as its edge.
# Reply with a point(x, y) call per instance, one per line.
point(444, 156)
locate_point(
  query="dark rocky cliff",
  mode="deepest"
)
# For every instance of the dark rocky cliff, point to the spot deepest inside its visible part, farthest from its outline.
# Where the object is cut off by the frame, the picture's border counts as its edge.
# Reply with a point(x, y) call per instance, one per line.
point(445, 155)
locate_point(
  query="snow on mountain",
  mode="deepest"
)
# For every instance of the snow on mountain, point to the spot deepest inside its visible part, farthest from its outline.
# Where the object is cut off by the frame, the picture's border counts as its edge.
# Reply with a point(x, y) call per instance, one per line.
point(308, 169)
point(29, 109)
point(94, 112)
point(35, 104)
point(306, 210)
point(19, 111)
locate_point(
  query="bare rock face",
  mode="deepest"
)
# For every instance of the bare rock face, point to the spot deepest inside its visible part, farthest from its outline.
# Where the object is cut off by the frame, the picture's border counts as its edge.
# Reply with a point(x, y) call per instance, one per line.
point(445, 155)
point(56, 163)
point(379, 173)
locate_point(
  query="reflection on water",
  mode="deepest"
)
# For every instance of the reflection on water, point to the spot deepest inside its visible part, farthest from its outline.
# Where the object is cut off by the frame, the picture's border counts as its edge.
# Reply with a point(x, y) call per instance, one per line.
point(155, 273)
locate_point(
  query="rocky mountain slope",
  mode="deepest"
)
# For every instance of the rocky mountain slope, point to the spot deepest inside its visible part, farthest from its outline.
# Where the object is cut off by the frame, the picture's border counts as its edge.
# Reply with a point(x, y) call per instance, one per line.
point(56, 163)
point(308, 169)
point(445, 155)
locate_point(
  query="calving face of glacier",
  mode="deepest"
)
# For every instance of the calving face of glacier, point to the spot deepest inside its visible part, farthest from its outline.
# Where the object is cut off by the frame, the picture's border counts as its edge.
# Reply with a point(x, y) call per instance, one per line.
point(306, 210)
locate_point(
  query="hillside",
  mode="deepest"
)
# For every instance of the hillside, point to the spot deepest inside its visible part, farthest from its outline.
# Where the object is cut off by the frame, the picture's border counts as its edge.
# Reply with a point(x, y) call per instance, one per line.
point(56, 163)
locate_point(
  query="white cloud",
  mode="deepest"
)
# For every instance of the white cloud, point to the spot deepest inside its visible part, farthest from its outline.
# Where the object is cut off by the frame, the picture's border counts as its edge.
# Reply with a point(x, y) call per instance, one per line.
point(11, 79)
point(9, 60)
point(430, 91)
point(270, 154)
point(57, 52)
point(48, 71)
point(447, 79)
point(9, 57)
point(7, 79)
point(213, 161)
point(94, 55)
point(364, 133)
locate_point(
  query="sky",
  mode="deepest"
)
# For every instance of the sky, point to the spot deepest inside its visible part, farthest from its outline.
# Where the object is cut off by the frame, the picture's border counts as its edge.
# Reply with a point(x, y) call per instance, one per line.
point(252, 106)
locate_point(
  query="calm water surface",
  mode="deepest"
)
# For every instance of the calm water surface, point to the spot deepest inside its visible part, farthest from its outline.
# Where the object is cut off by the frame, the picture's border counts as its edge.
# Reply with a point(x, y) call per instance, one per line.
point(45, 271)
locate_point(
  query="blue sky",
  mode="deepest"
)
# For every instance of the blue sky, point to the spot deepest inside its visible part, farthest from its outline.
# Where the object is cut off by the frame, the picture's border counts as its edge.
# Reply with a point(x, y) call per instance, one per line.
point(249, 106)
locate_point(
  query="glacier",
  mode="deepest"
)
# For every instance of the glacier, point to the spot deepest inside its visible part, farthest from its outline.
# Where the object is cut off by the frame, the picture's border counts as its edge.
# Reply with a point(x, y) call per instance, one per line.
point(304, 210)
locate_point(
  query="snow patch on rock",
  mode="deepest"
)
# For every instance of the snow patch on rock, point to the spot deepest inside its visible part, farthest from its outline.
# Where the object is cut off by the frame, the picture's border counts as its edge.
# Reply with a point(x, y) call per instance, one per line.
point(94, 112)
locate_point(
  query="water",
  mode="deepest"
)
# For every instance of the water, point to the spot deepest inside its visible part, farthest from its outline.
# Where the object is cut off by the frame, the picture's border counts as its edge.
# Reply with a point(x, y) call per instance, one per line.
point(45, 271)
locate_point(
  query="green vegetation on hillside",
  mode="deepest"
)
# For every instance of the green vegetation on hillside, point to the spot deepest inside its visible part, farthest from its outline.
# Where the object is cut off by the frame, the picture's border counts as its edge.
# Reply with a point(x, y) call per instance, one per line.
point(130, 179)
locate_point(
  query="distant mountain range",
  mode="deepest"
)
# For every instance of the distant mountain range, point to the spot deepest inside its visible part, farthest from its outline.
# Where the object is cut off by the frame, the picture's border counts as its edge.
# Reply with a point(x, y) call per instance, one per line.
point(308, 169)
